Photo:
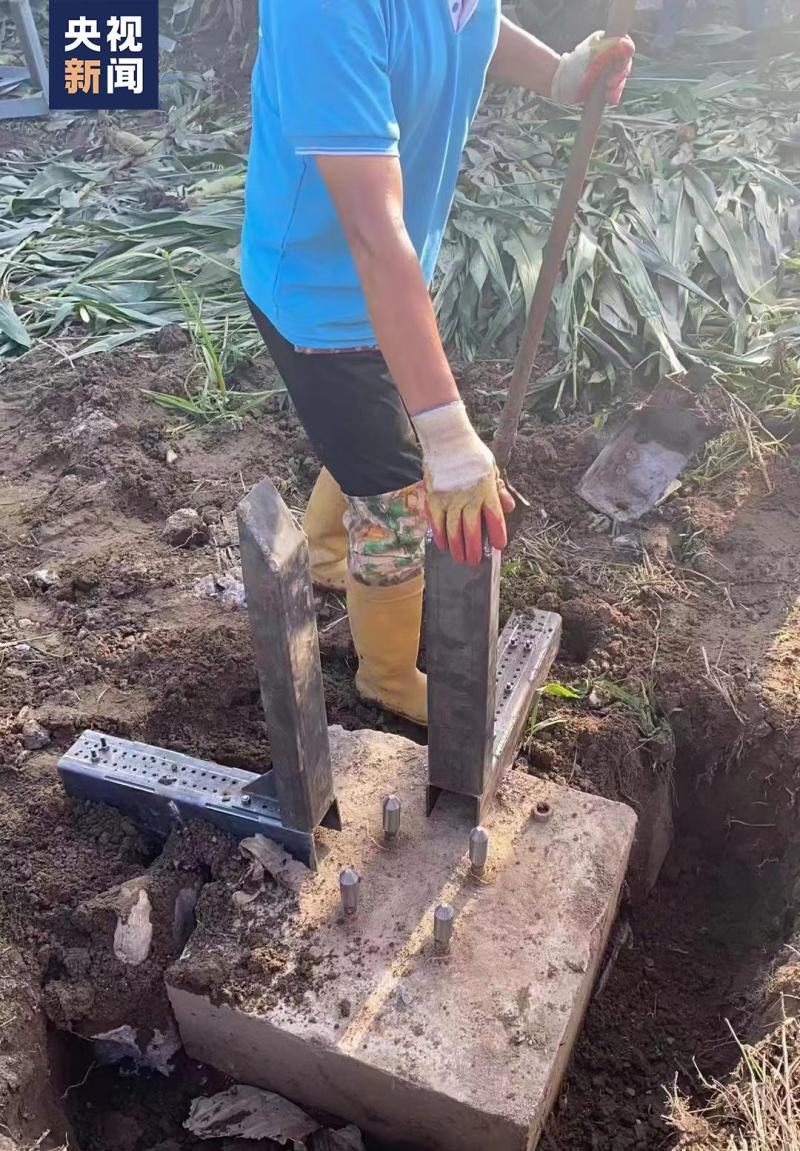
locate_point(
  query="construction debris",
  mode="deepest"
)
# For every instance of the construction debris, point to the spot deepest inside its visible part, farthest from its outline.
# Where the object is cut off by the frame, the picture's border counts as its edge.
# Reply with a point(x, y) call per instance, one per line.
point(44, 578)
point(34, 736)
point(185, 527)
point(124, 1043)
point(269, 858)
point(250, 1113)
point(227, 588)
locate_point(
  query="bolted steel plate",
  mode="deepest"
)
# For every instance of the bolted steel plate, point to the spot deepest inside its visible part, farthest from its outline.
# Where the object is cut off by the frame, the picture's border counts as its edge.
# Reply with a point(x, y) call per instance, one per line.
point(525, 650)
point(161, 788)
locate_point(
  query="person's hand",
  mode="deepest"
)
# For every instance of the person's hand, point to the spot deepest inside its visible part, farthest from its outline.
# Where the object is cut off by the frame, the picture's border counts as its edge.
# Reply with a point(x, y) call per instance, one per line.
point(465, 492)
point(598, 55)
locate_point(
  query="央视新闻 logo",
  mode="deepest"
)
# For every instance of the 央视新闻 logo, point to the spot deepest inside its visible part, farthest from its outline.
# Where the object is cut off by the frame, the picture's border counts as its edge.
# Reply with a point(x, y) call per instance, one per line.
point(103, 55)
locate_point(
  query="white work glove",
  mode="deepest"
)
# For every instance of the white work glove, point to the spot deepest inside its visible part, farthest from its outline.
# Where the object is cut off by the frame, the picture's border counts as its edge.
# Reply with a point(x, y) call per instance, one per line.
point(579, 70)
point(463, 486)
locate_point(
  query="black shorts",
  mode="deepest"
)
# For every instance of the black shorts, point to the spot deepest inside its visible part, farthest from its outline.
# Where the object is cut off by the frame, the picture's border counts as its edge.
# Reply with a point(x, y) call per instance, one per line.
point(352, 414)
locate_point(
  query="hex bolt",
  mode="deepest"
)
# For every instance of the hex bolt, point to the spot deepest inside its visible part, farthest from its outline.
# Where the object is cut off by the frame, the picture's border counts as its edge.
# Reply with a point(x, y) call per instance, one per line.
point(443, 920)
point(246, 800)
point(391, 817)
point(93, 755)
point(349, 882)
point(478, 849)
point(103, 743)
point(542, 811)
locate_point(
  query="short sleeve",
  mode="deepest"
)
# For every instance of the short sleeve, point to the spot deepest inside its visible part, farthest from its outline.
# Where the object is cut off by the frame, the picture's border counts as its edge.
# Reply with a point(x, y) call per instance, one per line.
point(331, 62)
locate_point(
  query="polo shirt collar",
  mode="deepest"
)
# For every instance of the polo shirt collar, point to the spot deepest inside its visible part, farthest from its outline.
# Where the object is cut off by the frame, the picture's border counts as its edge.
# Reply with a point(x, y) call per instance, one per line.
point(461, 11)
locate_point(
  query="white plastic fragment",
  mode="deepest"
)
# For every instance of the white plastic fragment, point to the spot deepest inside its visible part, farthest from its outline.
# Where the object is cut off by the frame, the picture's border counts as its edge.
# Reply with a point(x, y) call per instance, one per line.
point(133, 935)
point(111, 1047)
point(250, 1113)
point(227, 588)
point(44, 578)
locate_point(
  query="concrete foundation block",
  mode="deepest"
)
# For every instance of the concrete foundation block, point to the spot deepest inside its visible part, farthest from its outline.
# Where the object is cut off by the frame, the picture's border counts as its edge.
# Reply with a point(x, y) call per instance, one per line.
point(358, 1017)
point(653, 838)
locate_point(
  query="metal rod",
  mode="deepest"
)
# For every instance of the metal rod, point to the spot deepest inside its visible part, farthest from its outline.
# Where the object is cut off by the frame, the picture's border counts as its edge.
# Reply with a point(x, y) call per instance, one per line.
point(619, 21)
point(391, 817)
point(478, 849)
point(349, 883)
point(29, 38)
point(443, 921)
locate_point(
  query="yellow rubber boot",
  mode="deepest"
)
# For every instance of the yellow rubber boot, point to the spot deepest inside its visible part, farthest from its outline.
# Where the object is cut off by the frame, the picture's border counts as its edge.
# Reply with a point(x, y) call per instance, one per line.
point(327, 539)
point(385, 623)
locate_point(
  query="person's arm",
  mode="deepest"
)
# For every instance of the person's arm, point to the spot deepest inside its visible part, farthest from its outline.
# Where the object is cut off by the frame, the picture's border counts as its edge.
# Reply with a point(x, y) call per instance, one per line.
point(522, 61)
point(525, 62)
point(368, 194)
point(464, 490)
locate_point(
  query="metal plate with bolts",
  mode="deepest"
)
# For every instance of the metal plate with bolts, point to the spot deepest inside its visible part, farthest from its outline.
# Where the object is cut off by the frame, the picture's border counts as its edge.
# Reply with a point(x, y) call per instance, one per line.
point(480, 687)
point(160, 789)
point(526, 649)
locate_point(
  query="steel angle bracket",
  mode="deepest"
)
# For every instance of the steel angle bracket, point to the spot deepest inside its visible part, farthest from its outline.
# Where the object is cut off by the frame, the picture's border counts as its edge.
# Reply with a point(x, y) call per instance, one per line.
point(161, 789)
point(526, 649)
point(480, 687)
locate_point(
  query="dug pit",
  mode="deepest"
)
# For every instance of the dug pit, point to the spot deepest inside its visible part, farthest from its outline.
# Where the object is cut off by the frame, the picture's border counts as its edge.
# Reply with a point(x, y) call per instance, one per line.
point(117, 637)
point(360, 1017)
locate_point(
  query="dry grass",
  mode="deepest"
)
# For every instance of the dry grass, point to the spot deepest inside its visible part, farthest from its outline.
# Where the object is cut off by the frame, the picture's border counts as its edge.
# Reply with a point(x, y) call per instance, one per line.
point(758, 1109)
point(724, 683)
point(630, 581)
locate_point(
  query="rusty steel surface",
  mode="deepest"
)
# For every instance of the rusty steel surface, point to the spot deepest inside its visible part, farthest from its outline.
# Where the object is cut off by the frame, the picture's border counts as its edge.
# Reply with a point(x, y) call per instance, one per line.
point(280, 606)
point(480, 688)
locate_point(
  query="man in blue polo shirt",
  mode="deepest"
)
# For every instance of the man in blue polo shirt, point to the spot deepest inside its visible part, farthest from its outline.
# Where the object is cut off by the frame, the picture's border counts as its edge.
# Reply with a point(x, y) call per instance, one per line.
point(361, 110)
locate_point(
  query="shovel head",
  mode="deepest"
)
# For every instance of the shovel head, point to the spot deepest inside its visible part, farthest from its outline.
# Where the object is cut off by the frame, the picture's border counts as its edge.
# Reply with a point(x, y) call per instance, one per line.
point(635, 470)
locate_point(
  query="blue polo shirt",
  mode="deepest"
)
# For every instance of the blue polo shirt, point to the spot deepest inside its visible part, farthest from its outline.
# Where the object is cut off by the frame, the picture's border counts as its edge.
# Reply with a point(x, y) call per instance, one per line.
point(353, 77)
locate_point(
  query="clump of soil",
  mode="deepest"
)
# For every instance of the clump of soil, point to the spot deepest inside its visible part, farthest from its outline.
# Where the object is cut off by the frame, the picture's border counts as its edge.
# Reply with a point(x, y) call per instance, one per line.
point(105, 967)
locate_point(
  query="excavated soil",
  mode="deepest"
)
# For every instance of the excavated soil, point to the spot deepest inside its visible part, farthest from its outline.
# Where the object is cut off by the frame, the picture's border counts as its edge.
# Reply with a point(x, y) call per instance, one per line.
point(104, 623)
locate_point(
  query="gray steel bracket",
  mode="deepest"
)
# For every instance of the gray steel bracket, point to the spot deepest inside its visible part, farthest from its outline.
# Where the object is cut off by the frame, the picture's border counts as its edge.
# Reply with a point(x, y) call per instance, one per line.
point(283, 624)
point(23, 106)
point(159, 787)
point(480, 688)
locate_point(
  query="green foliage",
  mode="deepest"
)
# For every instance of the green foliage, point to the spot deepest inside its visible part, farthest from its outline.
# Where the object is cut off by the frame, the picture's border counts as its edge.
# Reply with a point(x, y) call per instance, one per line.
point(212, 400)
point(105, 250)
point(687, 215)
point(685, 248)
point(603, 693)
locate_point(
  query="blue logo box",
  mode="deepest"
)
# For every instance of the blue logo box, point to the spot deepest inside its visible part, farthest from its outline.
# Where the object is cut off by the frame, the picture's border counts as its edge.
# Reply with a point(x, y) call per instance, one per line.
point(103, 55)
